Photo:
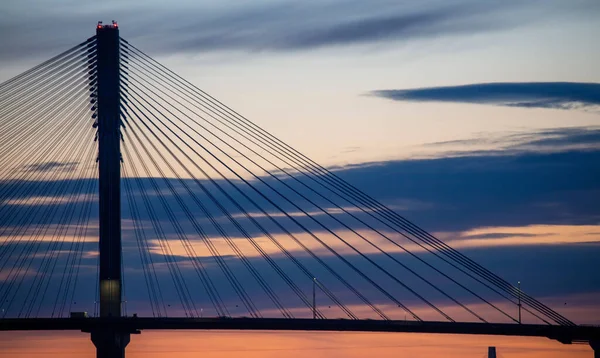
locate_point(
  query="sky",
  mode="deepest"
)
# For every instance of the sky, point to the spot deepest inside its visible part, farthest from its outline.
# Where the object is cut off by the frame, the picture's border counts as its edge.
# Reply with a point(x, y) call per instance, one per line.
point(478, 121)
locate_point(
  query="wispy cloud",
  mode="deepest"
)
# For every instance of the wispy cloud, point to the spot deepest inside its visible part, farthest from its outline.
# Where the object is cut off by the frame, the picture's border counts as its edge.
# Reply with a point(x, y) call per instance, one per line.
point(545, 141)
point(557, 95)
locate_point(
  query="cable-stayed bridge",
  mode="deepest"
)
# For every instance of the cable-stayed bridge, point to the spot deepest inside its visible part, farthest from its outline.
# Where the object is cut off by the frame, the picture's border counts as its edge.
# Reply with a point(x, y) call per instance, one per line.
point(224, 226)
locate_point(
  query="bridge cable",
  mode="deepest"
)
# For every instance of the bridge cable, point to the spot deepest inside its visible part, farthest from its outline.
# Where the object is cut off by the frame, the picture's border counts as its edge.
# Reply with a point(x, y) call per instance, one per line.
point(225, 212)
point(26, 183)
point(241, 192)
point(205, 279)
point(74, 269)
point(161, 65)
point(60, 233)
point(29, 243)
point(200, 184)
point(176, 275)
point(234, 247)
point(345, 211)
point(154, 292)
point(48, 80)
point(76, 247)
point(59, 229)
point(234, 203)
point(214, 252)
point(304, 197)
point(377, 286)
point(34, 70)
point(66, 104)
point(61, 139)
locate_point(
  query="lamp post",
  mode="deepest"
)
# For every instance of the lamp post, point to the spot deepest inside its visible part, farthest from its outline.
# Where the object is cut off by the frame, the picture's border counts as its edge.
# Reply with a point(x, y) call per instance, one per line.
point(314, 298)
point(519, 292)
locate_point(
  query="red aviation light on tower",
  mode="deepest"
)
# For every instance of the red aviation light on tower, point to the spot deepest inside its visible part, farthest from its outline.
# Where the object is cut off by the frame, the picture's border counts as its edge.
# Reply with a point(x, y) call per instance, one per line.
point(113, 25)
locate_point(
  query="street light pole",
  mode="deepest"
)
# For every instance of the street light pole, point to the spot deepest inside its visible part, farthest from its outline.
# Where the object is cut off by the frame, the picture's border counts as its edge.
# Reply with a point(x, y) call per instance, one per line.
point(519, 288)
point(314, 298)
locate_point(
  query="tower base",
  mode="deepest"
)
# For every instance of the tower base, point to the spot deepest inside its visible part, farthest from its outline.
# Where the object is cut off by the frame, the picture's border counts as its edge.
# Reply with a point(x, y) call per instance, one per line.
point(110, 343)
point(596, 347)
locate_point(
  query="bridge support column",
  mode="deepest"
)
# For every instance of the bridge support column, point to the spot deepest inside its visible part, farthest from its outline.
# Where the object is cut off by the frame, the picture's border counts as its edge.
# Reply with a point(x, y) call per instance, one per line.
point(109, 341)
point(109, 168)
point(596, 347)
point(110, 344)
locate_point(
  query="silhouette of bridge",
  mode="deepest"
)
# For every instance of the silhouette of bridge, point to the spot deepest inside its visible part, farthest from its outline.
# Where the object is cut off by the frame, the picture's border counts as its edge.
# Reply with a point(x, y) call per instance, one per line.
point(234, 229)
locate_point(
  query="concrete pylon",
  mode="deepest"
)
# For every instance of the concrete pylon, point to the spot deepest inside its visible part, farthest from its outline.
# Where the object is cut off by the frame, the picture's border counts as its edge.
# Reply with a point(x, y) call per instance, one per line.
point(109, 342)
point(596, 347)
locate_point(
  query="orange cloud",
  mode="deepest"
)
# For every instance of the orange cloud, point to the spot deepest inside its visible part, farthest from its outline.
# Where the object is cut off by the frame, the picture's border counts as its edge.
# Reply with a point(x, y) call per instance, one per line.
point(526, 235)
point(479, 237)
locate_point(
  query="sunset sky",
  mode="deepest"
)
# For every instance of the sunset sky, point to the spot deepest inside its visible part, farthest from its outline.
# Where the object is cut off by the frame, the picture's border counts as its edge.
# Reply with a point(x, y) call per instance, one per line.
point(479, 121)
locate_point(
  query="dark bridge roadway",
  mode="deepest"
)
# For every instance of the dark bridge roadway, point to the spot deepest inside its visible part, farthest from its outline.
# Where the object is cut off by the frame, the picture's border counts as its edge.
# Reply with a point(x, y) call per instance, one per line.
point(564, 334)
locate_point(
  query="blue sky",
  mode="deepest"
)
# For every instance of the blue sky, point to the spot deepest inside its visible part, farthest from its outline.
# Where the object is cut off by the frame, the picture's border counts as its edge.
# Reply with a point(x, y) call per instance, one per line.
point(480, 121)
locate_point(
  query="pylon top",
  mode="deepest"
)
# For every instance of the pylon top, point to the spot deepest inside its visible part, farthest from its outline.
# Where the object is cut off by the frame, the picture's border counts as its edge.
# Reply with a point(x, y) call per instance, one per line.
point(113, 25)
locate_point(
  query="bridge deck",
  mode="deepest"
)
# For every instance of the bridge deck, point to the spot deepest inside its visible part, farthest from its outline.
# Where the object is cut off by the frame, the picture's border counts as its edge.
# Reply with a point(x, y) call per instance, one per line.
point(564, 334)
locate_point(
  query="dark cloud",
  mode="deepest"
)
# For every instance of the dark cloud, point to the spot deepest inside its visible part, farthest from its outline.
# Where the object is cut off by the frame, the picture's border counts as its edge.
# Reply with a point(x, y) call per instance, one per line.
point(461, 193)
point(401, 26)
point(559, 95)
point(522, 184)
point(51, 166)
point(28, 30)
point(501, 236)
point(443, 194)
point(515, 190)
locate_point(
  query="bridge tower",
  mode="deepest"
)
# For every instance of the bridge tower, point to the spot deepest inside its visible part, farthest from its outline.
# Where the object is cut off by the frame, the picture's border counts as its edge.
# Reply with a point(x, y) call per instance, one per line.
point(595, 344)
point(109, 342)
